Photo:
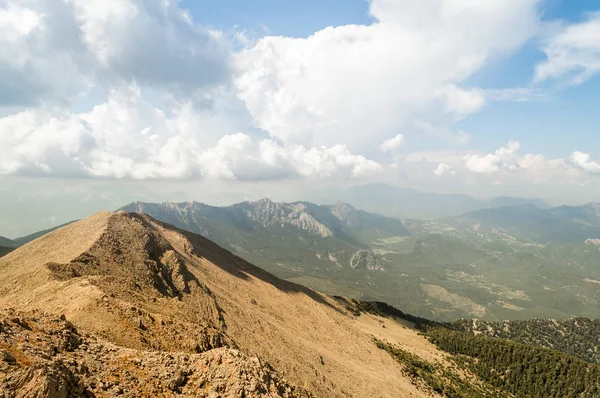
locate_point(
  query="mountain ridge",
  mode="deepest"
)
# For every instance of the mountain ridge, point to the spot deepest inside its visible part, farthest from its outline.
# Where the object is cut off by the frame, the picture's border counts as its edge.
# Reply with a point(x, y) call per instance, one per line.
point(401, 202)
point(304, 233)
point(556, 224)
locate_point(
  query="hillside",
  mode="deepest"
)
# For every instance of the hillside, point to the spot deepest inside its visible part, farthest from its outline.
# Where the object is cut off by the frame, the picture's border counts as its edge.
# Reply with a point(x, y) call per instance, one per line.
point(145, 286)
point(121, 304)
point(28, 238)
point(579, 337)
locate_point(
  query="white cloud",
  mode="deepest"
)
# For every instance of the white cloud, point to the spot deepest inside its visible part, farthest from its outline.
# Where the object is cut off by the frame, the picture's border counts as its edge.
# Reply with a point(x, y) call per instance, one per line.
point(519, 94)
point(392, 144)
point(55, 51)
point(574, 51)
point(583, 161)
point(444, 169)
point(41, 58)
point(154, 43)
point(127, 137)
point(504, 166)
point(280, 108)
point(343, 81)
point(503, 159)
point(461, 103)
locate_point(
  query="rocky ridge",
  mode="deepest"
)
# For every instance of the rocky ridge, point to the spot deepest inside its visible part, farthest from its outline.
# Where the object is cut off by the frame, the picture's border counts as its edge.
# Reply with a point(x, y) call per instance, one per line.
point(46, 356)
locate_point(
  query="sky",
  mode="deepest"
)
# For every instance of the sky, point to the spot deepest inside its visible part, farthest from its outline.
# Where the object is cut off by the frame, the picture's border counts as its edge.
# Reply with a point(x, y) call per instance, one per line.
point(217, 101)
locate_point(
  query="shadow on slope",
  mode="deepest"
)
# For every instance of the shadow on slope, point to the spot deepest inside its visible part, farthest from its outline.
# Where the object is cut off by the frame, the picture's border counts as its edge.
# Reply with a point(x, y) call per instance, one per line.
point(234, 265)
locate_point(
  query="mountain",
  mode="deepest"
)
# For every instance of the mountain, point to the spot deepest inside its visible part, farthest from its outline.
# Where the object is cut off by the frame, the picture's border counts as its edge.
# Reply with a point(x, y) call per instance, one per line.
point(559, 224)
point(122, 304)
point(438, 269)
point(5, 250)
point(505, 201)
point(154, 298)
point(402, 202)
point(7, 245)
point(285, 236)
point(5, 242)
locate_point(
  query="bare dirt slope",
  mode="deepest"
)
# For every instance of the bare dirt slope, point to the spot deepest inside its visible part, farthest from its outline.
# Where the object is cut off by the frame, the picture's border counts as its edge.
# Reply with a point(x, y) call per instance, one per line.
point(145, 286)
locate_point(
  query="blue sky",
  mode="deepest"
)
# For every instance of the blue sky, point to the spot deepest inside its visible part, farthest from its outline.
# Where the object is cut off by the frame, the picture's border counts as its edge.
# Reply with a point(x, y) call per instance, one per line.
point(288, 18)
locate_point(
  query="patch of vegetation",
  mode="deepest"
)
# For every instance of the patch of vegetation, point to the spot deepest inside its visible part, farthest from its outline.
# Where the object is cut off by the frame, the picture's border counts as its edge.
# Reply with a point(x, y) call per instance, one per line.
point(522, 370)
point(439, 379)
point(579, 337)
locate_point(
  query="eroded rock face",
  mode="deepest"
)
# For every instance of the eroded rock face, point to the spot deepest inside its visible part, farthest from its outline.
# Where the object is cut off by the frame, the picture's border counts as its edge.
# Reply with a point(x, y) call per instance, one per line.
point(366, 259)
point(45, 356)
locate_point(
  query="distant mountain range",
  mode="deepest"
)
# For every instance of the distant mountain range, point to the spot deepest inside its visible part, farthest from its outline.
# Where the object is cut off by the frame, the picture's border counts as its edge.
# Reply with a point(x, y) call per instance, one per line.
point(401, 202)
point(461, 266)
point(5, 242)
point(502, 263)
point(291, 236)
point(5, 250)
point(559, 224)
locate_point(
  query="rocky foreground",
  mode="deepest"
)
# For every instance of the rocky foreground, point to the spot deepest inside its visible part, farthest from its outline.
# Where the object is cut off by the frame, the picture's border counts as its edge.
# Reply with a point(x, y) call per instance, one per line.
point(46, 356)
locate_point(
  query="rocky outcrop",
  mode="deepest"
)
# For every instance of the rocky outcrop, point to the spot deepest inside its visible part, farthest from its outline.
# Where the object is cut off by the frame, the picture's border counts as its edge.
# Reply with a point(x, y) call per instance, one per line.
point(45, 356)
point(366, 259)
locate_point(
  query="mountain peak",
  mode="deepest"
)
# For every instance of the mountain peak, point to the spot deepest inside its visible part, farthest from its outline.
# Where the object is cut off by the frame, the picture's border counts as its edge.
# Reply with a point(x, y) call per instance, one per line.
point(262, 202)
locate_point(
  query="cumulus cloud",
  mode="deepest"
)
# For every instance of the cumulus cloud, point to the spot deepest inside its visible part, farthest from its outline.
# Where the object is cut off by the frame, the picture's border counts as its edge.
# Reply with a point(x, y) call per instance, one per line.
point(53, 51)
point(392, 144)
point(128, 137)
point(41, 58)
point(444, 169)
point(154, 43)
point(342, 81)
point(584, 162)
point(504, 158)
point(574, 51)
point(502, 166)
point(461, 103)
point(165, 98)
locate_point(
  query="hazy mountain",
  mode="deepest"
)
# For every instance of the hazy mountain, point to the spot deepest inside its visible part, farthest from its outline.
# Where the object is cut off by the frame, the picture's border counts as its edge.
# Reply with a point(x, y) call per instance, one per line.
point(559, 224)
point(290, 236)
point(409, 203)
point(5, 250)
point(505, 201)
point(8, 242)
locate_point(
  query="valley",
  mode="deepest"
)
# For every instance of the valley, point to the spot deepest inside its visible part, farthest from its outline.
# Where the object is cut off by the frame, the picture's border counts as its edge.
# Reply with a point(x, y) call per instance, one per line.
point(440, 269)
